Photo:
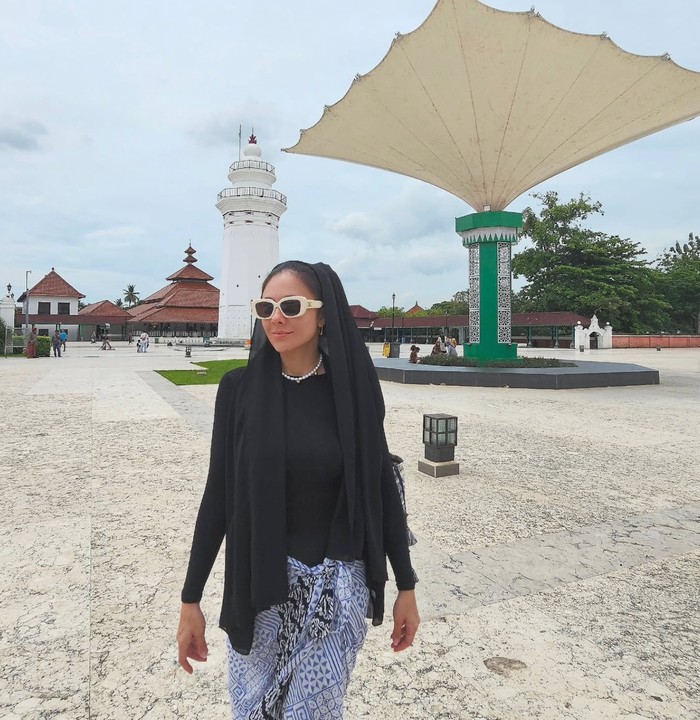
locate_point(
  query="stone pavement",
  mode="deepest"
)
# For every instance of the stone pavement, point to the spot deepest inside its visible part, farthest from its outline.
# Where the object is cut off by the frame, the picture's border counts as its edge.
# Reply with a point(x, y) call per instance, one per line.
point(559, 572)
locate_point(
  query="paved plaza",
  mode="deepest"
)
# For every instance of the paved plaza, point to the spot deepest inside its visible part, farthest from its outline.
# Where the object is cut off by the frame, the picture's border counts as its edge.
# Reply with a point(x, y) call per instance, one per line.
point(559, 572)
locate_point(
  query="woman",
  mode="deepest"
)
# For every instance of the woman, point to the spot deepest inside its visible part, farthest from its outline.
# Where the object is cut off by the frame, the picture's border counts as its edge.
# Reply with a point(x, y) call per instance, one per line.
point(31, 343)
point(301, 485)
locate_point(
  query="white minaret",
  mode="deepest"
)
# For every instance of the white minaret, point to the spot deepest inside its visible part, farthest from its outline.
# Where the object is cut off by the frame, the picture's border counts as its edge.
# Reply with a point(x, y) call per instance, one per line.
point(252, 211)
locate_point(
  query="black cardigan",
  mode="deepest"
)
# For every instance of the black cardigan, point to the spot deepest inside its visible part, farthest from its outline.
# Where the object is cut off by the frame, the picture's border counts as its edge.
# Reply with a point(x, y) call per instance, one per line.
point(244, 498)
point(216, 516)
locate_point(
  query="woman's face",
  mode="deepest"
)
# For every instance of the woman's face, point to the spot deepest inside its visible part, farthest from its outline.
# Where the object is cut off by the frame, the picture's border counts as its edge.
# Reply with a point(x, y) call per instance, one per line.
point(298, 334)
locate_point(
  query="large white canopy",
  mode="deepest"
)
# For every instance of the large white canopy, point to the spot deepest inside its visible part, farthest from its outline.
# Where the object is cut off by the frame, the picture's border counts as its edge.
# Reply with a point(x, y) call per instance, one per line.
point(487, 104)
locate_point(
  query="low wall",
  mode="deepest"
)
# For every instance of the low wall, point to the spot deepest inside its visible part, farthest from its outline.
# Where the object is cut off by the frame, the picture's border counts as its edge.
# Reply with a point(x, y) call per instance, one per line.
point(652, 341)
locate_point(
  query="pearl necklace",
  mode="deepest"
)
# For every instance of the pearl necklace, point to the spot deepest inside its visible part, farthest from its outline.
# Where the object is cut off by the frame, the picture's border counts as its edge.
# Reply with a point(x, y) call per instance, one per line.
point(298, 378)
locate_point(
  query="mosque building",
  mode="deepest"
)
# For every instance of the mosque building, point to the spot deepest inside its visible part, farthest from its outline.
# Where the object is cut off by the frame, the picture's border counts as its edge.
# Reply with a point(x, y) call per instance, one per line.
point(187, 307)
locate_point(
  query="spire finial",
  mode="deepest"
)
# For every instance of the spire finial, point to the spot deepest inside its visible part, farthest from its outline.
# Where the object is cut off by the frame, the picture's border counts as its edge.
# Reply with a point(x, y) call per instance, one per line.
point(190, 254)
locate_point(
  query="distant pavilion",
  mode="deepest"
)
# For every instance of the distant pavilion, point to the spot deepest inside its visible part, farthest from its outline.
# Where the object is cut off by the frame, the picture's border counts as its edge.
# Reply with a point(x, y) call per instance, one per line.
point(187, 307)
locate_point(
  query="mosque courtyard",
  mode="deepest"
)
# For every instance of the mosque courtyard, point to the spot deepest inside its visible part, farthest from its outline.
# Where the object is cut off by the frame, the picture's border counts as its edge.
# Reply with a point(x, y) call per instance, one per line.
point(559, 572)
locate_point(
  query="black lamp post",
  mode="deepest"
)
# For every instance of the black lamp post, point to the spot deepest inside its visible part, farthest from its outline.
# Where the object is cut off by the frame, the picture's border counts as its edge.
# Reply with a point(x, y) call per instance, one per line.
point(393, 302)
point(439, 438)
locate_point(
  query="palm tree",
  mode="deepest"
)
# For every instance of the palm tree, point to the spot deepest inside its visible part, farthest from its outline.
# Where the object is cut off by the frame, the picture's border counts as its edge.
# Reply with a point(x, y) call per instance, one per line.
point(130, 295)
point(118, 302)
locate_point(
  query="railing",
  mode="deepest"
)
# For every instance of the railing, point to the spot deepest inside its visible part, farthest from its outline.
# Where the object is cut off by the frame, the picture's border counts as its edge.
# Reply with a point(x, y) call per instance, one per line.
point(252, 165)
point(252, 192)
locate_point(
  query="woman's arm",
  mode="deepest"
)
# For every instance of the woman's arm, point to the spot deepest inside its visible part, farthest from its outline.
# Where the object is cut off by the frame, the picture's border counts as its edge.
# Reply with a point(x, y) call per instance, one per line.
point(210, 527)
point(209, 532)
point(406, 617)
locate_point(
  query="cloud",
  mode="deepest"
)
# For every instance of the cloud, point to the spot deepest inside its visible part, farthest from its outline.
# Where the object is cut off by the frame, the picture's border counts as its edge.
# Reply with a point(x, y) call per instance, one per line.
point(23, 137)
point(120, 231)
point(118, 237)
point(412, 214)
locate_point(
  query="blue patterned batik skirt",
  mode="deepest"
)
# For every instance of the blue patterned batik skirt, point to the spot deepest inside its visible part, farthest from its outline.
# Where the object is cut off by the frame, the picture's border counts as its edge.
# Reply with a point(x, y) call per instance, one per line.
point(305, 649)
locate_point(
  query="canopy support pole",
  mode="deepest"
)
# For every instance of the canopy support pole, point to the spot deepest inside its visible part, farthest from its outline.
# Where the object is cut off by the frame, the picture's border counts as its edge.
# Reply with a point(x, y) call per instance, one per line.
point(489, 237)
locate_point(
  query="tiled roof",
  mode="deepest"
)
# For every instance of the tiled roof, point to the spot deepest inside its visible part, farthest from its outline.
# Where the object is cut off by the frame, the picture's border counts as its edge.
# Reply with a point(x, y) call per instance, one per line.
point(103, 311)
point(358, 311)
point(53, 285)
point(177, 315)
point(189, 272)
point(416, 308)
point(184, 301)
point(546, 319)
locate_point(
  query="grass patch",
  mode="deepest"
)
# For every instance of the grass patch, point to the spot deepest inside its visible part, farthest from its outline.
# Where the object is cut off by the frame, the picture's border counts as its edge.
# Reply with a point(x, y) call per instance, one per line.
point(522, 362)
point(210, 374)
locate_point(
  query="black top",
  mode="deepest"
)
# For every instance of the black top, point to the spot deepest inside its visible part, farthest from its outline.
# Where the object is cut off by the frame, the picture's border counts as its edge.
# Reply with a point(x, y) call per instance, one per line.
point(314, 467)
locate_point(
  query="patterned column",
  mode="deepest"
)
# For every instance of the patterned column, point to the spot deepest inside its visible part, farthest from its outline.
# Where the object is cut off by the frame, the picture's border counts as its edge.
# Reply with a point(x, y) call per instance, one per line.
point(489, 237)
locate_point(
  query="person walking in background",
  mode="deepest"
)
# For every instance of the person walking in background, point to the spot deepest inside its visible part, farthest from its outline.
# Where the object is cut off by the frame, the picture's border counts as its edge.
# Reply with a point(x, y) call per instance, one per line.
point(56, 344)
point(144, 342)
point(31, 343)
point(302, 487)
point(64, 337)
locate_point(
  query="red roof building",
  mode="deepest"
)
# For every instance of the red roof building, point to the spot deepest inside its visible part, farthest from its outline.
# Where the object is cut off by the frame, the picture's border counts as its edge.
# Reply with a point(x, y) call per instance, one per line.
point(51, 304)
point(415, 309)
point(189, 306)
point(103, 317)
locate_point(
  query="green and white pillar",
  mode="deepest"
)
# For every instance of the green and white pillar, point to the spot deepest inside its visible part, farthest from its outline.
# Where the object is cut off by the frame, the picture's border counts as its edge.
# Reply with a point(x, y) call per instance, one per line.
point(489, 237)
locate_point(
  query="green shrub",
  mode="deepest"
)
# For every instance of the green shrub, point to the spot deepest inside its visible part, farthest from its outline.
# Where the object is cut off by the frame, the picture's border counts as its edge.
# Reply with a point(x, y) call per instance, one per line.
point(17, 345)
point(43, 346)
point(522, 362)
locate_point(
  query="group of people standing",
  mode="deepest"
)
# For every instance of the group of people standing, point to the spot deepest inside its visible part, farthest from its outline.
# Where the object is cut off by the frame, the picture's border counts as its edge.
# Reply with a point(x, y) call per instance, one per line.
point(58, 343)
point(142, 342)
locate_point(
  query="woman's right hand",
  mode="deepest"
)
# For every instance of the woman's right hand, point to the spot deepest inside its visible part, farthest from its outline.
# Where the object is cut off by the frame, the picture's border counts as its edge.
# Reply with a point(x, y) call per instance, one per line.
point(190, 636)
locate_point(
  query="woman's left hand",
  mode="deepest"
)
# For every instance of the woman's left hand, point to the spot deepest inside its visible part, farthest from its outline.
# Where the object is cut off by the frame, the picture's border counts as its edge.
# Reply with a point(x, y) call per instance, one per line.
point(406, 620)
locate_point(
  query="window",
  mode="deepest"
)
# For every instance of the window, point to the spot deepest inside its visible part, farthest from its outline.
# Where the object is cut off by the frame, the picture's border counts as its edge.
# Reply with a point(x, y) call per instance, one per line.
point(44, 308)
point(43, 332)
point(63, 308)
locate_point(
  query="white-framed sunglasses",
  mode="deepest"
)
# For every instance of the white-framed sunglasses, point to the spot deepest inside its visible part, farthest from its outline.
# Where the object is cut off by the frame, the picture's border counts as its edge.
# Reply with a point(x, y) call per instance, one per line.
point(291, 307)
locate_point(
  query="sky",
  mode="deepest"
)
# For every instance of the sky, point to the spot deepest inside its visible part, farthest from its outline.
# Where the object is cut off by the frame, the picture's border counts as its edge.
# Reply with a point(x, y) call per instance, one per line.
point(118, 122)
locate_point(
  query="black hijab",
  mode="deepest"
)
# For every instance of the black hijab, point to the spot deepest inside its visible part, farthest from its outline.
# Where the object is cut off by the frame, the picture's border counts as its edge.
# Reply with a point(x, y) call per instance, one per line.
point(260, 460)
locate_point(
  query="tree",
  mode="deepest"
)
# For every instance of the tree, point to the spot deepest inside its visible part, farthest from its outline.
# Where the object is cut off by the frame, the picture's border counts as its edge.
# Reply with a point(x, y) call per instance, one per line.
point(387, 311)
point(571, 267)
point(458, 305)
point(678, 252)
point(680, 267)
point(130, 295)
point(118, 302)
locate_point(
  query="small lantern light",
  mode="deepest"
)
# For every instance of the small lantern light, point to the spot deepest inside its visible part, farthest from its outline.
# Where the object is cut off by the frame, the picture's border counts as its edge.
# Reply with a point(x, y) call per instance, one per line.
point(439, 438)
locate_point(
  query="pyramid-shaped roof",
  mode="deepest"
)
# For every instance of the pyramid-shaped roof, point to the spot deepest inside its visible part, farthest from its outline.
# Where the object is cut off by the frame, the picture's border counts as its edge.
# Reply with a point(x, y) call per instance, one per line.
point(189, 298)
point(53, 285)
point(103, 311)
point(415, 309)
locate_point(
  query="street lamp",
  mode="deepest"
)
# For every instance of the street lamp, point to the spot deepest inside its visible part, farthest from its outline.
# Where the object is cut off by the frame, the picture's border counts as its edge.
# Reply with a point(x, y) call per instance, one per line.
point(393, 302)
point(27, 273)
point(439, 438)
